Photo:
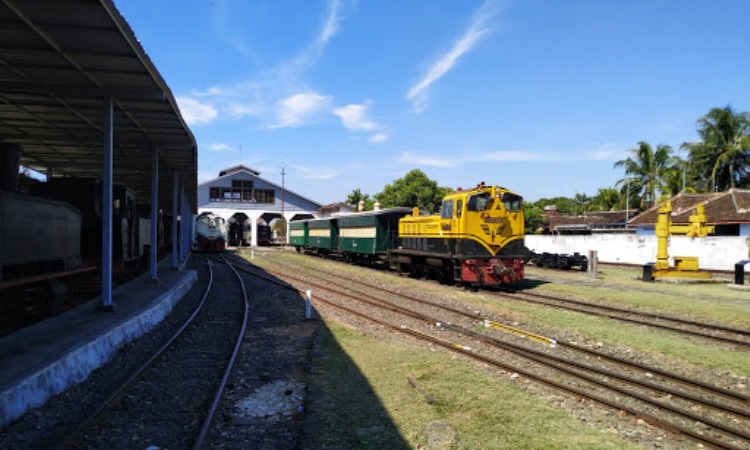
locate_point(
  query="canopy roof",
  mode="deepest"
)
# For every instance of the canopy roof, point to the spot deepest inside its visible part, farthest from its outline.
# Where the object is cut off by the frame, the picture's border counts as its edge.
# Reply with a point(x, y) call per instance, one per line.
point(58, 61)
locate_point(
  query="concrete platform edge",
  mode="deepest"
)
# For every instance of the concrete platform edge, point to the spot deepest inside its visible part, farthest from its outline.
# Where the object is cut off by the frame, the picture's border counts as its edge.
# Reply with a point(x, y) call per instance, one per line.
point(76, 366)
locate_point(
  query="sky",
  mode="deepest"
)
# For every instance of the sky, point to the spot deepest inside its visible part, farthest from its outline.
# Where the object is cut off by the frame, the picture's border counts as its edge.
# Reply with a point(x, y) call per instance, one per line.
point(539, 96)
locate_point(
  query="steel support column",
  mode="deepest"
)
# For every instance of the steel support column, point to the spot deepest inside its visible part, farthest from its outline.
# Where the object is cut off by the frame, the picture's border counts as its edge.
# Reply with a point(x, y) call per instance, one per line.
point(154, 211)
point(107, 131)
point(184, 227)
point(175, 200)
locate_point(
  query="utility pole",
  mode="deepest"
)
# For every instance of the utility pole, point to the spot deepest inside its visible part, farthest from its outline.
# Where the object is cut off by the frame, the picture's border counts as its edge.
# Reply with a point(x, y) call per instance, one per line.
point(283, 174)
point(627, 203)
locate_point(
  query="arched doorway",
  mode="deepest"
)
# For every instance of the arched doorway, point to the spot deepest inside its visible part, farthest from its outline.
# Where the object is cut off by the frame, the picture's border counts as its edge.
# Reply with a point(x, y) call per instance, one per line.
point(236, 230)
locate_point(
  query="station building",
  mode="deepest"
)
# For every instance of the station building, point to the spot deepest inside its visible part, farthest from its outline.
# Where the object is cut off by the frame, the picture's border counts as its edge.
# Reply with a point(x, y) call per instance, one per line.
point(245, 200)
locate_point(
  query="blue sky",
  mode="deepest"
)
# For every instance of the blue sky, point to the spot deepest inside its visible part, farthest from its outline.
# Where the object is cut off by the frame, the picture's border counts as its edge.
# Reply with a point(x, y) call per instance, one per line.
point(539, 96)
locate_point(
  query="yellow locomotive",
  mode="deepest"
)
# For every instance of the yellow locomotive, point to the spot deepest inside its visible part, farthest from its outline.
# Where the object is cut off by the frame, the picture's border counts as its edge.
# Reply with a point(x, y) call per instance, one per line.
point(477, 240)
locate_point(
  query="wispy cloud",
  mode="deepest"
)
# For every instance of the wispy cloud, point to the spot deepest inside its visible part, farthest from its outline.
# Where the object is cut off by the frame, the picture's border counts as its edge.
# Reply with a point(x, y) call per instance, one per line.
point(418, 93)
point(316, 173)
point(221, 147)
point(378, 138)
point(240, 110)
point(195, 112)
point(277, 96)
point(299, 109)
point(608, 151)
point(415, 158)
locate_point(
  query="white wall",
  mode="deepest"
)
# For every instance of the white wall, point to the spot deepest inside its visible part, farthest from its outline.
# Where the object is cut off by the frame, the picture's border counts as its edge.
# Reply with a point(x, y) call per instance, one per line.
point(714, 252)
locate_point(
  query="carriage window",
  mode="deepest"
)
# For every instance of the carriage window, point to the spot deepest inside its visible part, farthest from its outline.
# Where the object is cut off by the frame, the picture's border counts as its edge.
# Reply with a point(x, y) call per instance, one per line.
point(512, 202)
point(478, 202)
point(447, 209)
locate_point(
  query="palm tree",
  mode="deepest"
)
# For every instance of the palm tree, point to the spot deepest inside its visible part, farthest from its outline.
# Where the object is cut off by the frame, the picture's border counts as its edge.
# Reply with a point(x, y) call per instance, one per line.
point(606, 199)
point(725, 149)
point(646, 169)
point(673, 178)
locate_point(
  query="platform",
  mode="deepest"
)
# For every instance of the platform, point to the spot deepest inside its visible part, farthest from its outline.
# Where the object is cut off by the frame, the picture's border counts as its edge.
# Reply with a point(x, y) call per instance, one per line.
point(43, 359)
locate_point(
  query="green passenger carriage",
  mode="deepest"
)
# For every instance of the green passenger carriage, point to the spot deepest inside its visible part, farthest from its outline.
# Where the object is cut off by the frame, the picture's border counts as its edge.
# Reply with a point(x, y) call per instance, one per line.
point(322, 234)
point(298, 234)
point(370, 233)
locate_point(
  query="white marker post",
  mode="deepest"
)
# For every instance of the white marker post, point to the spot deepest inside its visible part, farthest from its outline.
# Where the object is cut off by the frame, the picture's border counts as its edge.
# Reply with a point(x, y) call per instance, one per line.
point(252, 254)
point(308, 294)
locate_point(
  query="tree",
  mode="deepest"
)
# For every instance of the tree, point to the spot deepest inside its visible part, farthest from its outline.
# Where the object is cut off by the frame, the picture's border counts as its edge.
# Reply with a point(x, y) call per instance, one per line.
point(357, 195)
point(724, 153)
point(533, 216)
point(606, 199)
point(414, 189)
point(645, 168)
point(279, 228)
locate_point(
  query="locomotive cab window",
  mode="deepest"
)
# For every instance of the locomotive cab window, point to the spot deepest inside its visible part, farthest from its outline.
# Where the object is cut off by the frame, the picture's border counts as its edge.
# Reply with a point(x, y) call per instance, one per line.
point(512, 202)
point(447, 210)
point(478, 202)
point(459, 208)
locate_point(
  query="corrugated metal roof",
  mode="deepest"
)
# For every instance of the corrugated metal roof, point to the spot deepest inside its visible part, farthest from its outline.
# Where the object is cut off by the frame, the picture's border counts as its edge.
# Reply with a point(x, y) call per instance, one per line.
point(58, 61)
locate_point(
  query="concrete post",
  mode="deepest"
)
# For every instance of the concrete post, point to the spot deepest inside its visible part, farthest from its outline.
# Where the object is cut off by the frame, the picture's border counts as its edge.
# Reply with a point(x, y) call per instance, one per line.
point(593, 263)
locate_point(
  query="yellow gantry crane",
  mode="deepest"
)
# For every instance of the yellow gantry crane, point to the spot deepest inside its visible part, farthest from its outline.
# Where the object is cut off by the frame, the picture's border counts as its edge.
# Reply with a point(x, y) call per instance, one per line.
point(684, 266)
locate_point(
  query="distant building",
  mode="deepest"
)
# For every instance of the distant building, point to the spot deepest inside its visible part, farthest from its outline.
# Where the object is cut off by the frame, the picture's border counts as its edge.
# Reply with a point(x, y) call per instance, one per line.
point(245, 200)
point(334, 209)
point(586, 223)
point(728, 211)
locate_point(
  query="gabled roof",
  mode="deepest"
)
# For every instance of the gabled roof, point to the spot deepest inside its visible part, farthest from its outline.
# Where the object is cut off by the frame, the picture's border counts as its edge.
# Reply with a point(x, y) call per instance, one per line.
point(240, 168)
point(732, 206)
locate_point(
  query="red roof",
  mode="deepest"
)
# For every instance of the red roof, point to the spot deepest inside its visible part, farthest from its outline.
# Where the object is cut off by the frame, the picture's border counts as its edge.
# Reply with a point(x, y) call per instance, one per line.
point(732, 206)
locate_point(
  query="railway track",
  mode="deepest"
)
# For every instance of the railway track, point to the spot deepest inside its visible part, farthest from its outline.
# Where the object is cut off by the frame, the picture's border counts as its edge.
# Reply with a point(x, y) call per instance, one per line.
point(715, 332)
point(669, 401)
point(175, 394)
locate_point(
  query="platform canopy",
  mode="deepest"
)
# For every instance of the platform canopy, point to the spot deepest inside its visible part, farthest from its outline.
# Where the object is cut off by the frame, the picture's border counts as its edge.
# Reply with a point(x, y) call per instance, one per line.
point(58, 61)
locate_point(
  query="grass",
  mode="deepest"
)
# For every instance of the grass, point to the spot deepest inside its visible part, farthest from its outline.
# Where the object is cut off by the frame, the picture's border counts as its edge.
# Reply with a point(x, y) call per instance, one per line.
point(617, 286)
point(367, 402)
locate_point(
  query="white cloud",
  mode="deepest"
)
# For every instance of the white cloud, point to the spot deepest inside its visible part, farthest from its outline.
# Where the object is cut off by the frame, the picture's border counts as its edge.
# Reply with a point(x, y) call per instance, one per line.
point(240, 110)
point(480, 157)
point(418, 93)
point(378, 138)
point(195, 112)
point(607, 151)
point(507, 156)
point(272, 95)
point(221, 147)
point(299, 109)
point(354, 117)
point(318, 173)
point(422, 160)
